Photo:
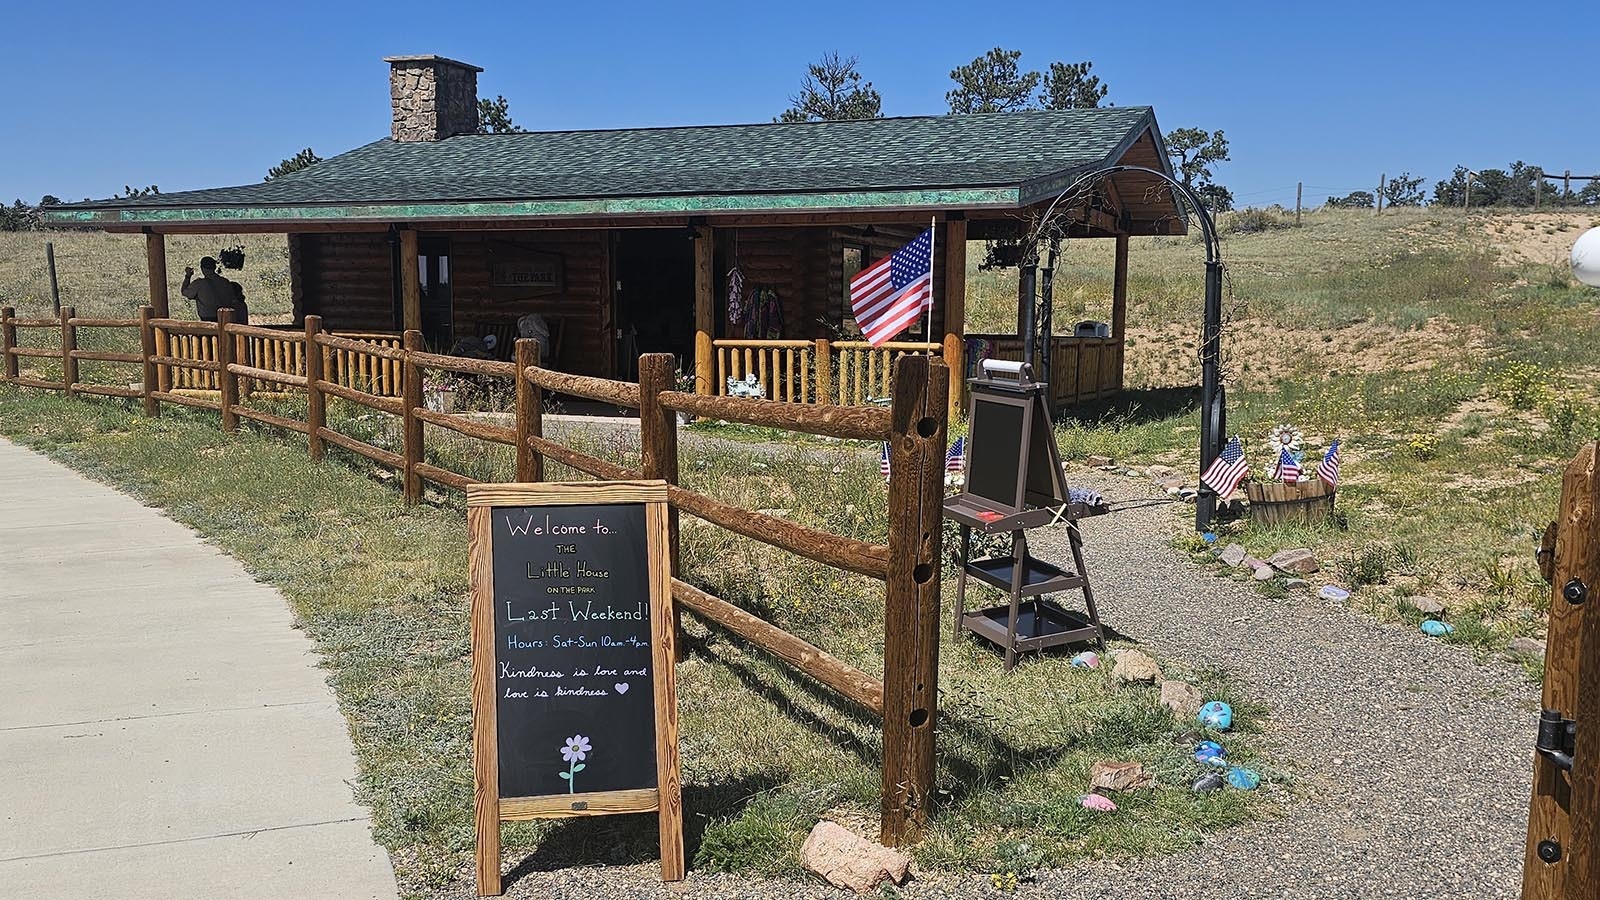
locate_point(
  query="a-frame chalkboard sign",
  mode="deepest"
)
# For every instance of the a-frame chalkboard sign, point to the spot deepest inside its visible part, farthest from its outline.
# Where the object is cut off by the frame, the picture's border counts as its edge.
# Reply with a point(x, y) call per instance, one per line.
point(574, 698)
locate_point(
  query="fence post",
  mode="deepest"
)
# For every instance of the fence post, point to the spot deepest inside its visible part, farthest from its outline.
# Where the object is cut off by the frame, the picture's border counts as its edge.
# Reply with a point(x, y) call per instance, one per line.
point(1561, 799)
point(1583, 550)
point(918, 422)
point(824, 371)
point(8, 342)
point(227, 381)
point(658, 440)
point(530, 412)
point(147, 349)
point(316, 406)
point(69, 343)
point(411, 398)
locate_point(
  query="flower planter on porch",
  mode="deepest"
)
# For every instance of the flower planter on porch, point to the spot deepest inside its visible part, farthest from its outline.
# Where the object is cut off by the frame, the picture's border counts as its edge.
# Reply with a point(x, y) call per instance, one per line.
point(1272, 503)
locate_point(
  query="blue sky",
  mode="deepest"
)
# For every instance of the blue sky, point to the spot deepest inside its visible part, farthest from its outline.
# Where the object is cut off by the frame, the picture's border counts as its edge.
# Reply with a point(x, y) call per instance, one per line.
point(100, 95)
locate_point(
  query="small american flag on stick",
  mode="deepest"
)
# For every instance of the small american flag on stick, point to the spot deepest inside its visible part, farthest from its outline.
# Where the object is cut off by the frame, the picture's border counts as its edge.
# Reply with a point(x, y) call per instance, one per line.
point(1227, 470)
point(1328, 469)
point(955, 460)
point(1287, 470)
point(883, 462)
point(887, 296)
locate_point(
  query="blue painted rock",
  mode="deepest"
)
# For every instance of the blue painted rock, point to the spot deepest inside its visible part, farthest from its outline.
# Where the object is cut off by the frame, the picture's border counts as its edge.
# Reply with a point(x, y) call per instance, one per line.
point(1086, 660)
point(1333, 592)
point(1436, 628)
point(1208, 752)
point(1216, 714)
point(1243, 779)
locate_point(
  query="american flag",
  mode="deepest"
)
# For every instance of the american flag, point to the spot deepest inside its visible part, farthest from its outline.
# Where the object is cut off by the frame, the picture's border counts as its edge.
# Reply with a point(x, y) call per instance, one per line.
point(1287, 470)
point(955, 460)
point(1227, 470)
point(1328, 469)
point(883, 462)
point(888, 295)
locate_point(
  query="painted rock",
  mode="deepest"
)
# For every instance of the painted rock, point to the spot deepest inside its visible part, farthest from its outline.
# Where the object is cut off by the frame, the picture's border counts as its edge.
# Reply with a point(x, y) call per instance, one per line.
point(1217, 715)
point(1436, 628)
point(1088, 659)
point(1098, 803)
point(1211, 781)
point(1208, 752)
point(1243, 779)
point(1333, 592)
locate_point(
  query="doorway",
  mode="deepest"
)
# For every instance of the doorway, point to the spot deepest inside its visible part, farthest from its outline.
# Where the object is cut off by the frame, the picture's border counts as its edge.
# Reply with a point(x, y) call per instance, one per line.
point(433, 271)
point(655, 296)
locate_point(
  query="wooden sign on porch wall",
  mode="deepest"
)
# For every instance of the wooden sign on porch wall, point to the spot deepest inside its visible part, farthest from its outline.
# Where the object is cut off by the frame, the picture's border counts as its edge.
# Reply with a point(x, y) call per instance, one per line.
point(574, 697)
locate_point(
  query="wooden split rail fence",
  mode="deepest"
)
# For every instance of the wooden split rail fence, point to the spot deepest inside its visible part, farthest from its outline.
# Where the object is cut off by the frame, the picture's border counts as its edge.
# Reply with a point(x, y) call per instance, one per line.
point(905, 698)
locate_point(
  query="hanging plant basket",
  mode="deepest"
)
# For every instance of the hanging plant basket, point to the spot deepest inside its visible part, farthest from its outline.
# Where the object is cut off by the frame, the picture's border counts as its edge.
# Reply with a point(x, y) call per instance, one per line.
point(231, 258)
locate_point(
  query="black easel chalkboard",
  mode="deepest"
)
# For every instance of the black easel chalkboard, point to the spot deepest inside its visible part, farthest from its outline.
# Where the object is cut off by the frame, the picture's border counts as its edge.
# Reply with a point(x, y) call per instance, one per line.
point(1012, 459)
point(574, 690)
point(574, 697)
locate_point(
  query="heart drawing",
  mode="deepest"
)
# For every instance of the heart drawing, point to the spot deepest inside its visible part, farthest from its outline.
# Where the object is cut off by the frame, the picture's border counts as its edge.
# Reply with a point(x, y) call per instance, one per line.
point(621, 686)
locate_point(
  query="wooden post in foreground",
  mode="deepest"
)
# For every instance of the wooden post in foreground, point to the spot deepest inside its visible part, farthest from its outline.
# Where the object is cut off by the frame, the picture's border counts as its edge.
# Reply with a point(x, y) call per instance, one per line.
point(705, 309)
point(69, 343)
point(1555, 808)
point(658, 442)
point(8, 341)
point(147, 349)
point(411, 398)
point(912, 607)
point(227, 381)
point(316, 403)
point(1583, 563)
point(1119, 307)
point(530, 412)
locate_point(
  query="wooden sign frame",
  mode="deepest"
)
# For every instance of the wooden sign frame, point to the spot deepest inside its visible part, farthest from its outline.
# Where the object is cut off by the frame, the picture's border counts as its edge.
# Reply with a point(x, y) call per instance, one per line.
point(666, 798)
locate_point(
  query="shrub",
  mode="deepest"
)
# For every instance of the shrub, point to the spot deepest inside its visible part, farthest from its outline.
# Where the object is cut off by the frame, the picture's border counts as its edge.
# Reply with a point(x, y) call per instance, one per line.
point(1522, 385)
point(1423, 446)
point(1368, 565)
point(1255, 219)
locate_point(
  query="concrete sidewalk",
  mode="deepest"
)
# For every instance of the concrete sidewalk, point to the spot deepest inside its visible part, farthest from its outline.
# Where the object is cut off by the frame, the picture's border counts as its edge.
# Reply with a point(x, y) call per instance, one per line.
point(164, 730)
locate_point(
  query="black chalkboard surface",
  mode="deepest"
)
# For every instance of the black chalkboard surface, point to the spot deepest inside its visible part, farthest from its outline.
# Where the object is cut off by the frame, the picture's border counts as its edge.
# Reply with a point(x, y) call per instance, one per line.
point(573, 670)
point(994, 459)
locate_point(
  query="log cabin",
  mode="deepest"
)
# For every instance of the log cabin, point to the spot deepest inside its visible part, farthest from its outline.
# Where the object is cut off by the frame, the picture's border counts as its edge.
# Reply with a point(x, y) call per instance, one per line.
point(624, 240)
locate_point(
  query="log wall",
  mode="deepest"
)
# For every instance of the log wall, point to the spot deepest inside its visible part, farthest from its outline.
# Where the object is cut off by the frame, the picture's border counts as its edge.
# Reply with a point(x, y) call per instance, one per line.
point(347, 278)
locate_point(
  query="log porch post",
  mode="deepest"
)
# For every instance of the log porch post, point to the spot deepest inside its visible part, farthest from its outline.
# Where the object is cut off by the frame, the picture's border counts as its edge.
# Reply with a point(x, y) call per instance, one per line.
point(955, 309)
point(1119, 304)
point(410, 282)
point(155, 260)
point(705, 308)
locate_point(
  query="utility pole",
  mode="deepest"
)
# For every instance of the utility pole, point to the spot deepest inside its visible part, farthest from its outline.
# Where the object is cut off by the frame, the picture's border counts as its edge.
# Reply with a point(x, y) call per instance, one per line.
point(1566, 188)
point(1382, 178)
point(50, 260)
point(1466, 204)
point(1538, 185)
point(1299, 188)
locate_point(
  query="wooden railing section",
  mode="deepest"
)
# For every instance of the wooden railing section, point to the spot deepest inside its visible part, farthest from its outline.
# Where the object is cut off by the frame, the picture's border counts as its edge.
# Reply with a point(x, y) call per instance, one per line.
point(844, 373)
point(236, 358)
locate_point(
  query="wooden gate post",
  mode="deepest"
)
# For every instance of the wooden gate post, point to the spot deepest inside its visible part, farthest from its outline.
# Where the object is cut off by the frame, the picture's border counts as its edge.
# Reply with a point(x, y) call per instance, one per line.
point(530, 412)
point(69, 343)
point(227, 381)
point(411, 398)
point(316, 403)
point(658, 439)
point(1557, 807)
point(912, 608)
point(8, 341)
point(147, 349)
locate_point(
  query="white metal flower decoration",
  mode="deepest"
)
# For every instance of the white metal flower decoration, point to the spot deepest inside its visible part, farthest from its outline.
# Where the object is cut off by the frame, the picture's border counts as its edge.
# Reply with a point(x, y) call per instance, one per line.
point(1284, 437)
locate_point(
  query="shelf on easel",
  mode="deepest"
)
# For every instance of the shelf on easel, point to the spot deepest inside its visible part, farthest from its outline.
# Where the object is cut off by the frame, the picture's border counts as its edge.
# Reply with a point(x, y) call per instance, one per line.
point(1040, 624)
point(1038, 576)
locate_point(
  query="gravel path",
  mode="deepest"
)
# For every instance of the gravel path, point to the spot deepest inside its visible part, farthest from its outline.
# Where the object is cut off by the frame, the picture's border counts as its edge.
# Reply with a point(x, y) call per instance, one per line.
point(1413, 757)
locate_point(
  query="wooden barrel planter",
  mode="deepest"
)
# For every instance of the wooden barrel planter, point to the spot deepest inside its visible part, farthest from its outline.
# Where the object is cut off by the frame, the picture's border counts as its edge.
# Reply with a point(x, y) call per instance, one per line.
point(1273, 503)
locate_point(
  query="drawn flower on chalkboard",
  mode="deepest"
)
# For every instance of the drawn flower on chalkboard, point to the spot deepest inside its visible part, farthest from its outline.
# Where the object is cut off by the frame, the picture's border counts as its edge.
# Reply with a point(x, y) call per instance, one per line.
point(574, 752)
point(577, 749)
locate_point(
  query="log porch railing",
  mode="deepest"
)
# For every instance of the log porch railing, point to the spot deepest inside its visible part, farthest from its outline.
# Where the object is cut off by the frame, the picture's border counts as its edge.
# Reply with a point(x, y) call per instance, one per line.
point(905, 700)
point(277, 350)
point(823, 371)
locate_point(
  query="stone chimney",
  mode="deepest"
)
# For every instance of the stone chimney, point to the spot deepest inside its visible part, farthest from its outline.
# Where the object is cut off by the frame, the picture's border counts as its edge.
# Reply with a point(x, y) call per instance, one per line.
point(432, 97)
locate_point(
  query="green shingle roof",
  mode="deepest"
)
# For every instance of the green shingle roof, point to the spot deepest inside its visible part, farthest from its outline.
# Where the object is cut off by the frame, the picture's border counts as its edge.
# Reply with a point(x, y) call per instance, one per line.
point(987, 159)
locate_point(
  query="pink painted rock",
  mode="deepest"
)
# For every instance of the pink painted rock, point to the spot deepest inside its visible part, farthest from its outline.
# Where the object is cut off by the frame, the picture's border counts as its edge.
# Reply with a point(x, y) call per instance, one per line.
point(847, 860)
point(1098, 803)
